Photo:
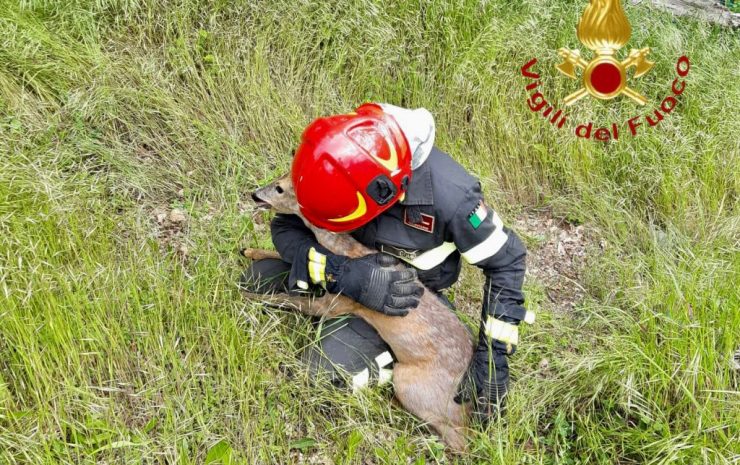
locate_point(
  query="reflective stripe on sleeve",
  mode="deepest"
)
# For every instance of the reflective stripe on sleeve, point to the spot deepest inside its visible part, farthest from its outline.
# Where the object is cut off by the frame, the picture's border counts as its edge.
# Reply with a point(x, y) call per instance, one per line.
point(502, 331)
point(316, 271)
point(316, 266)
point(315, 256)
point(490, 245)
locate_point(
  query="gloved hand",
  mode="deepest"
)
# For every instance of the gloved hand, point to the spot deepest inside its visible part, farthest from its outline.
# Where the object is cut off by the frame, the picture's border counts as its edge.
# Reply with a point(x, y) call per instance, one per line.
point(373, 282)
point(486, 383)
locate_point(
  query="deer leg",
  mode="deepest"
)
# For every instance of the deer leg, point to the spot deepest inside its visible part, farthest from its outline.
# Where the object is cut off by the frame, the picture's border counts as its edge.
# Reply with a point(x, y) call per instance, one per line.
point(424, 392)
point(451, 436)
point(258, 254)
point(328, 305)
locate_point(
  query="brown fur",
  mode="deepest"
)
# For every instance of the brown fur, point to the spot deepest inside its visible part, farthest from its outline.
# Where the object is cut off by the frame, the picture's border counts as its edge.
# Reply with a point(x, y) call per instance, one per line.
point(432, 346)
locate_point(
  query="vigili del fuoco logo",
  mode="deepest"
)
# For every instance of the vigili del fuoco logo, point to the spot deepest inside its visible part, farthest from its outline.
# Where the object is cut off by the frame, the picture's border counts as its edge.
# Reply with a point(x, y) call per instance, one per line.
point(604, 29)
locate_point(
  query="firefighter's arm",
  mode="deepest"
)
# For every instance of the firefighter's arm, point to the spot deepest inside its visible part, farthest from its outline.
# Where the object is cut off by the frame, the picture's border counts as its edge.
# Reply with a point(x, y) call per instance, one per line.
point(482, 239)
point(293, 240)
point(371, 280)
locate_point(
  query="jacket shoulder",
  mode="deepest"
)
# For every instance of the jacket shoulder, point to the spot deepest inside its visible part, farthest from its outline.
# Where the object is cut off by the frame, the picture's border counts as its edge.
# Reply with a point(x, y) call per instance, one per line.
point(451, 182)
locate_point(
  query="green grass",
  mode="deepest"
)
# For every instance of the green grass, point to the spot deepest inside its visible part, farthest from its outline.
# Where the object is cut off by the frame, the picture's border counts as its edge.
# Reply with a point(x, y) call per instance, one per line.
point(114, 349)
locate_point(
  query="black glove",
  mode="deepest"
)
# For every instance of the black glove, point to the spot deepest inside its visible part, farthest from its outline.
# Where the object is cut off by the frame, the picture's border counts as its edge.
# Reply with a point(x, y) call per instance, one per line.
point(374, 282)
point(486, 383)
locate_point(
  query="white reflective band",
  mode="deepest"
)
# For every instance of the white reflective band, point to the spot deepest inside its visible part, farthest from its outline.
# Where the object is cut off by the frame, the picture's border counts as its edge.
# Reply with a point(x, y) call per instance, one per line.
point(360, 380)
point(316, 272)
point(302, 284)
point(316, 266)
point(432, 257)
point(529, 317)
point(502, 331)
point(497, 221)
point(384, 376)
point(490, 246)
point(384, 359)
point(315, 256)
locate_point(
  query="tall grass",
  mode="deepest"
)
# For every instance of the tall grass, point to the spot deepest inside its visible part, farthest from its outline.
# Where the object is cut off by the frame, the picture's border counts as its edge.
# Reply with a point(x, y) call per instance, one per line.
point(116, 349)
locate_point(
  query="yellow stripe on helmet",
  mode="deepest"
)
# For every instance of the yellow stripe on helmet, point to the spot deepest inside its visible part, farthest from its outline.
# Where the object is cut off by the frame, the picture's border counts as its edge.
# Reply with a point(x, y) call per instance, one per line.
point(359, 211)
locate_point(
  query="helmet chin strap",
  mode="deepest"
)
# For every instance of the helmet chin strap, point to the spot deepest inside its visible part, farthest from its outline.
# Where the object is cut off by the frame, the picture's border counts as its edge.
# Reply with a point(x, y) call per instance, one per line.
point(418, 128)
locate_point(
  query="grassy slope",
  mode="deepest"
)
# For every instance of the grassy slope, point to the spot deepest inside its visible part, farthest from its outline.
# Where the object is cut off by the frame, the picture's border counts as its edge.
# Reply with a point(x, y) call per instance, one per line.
point(112, 350)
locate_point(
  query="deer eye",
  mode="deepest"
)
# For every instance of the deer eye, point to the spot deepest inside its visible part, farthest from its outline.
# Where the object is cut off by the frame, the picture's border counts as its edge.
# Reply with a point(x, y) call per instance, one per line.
point(279, 189)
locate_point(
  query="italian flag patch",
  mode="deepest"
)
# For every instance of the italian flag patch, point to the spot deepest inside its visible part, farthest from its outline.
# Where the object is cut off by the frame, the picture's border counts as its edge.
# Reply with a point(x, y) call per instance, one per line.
point(478, 215)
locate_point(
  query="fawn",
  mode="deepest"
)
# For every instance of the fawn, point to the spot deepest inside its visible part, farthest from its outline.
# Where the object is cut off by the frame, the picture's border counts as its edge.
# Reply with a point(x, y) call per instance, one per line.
point(432, 346)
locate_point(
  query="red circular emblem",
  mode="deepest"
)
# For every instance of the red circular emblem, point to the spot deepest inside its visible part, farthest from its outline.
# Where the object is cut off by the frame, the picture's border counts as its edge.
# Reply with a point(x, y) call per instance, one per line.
point(606, 78)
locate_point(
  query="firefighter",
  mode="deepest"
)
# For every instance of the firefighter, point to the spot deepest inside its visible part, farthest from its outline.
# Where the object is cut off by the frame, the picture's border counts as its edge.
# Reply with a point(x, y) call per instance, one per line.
point(377, 175)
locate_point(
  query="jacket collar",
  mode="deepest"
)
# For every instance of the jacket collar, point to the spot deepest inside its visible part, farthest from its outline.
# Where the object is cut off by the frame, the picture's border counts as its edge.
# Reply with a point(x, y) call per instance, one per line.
point(420, 187)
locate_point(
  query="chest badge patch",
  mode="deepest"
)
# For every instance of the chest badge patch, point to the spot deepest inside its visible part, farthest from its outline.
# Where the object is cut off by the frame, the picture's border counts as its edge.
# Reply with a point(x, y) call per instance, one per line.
point(426, 224)
point(478, 215)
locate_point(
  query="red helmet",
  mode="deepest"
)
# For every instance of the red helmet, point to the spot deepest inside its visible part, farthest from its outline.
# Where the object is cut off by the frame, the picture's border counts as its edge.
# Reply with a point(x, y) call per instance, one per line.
point(350, 168)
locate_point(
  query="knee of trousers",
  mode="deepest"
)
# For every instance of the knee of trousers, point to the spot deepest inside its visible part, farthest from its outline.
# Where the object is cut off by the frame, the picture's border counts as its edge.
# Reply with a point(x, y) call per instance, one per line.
point(351, 354)
point(265, 276)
